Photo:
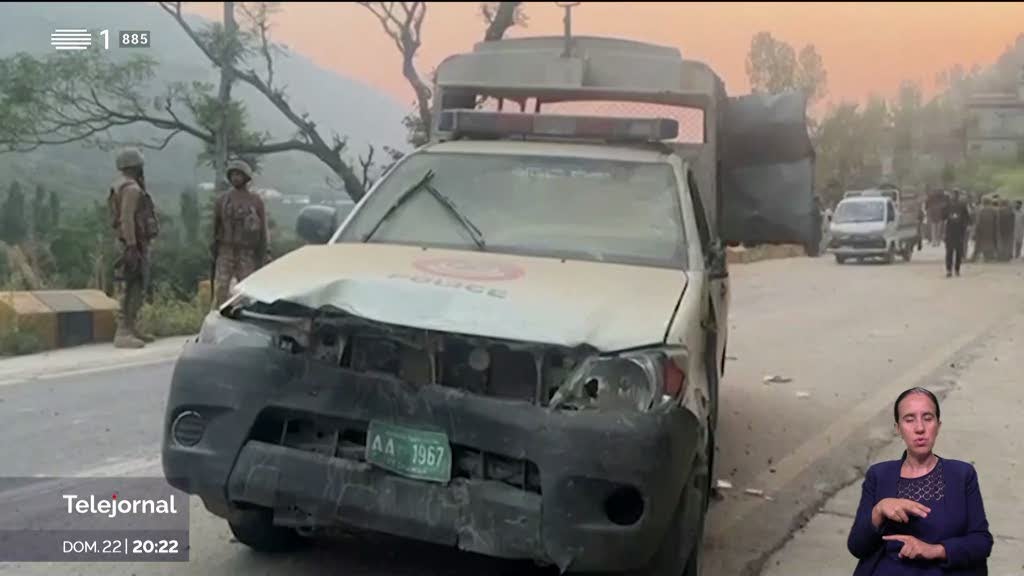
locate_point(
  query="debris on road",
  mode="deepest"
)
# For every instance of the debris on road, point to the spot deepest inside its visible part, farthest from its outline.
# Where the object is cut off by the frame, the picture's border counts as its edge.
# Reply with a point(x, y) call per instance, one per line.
point(754, 492)
point(802, 394)
point(777, 380)
point(720, 486)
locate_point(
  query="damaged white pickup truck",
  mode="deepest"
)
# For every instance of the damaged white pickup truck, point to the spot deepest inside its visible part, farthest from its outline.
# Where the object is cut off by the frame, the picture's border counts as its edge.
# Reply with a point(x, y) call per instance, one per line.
point(513, 343)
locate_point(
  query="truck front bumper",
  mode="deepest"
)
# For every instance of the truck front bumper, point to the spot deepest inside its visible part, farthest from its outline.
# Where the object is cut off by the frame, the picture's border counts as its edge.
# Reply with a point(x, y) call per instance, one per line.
point(850, 252)
point(606, 485)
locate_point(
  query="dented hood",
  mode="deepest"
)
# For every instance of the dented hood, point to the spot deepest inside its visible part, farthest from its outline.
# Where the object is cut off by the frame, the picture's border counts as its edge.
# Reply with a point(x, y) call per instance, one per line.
point(568, 303)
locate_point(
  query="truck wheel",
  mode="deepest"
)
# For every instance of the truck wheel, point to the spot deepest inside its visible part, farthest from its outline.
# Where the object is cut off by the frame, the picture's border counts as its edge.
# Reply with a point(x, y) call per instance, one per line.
point(255, 528)
point(840, 259)
point(890, 256)
point(908, 252)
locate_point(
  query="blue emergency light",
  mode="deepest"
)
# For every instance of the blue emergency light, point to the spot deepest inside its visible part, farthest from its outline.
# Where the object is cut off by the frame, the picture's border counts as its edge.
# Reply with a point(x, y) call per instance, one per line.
point(497, 124)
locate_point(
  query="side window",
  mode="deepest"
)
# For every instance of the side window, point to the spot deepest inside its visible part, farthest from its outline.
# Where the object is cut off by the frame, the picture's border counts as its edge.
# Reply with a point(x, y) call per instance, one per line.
point(702, 219)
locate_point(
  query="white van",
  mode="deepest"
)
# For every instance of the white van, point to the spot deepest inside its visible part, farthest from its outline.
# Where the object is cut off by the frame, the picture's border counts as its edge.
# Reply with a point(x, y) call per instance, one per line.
point(868, 226)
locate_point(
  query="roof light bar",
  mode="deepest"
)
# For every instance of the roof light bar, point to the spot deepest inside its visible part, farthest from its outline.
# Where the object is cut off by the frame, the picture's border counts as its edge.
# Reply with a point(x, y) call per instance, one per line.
point(482, 123)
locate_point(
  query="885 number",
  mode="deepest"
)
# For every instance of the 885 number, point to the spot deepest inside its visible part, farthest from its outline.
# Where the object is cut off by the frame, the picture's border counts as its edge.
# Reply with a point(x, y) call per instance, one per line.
point(138, 39)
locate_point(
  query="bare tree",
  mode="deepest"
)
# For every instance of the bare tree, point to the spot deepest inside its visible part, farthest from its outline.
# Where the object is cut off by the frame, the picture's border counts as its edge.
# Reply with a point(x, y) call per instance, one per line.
point(500, 16)
point(403, 22)
point(229, 54)
point(57, 100)
point(308, 138)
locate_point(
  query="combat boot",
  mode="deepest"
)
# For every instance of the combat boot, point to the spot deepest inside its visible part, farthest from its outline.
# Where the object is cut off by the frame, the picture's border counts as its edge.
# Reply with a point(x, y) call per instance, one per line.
point(124, 338)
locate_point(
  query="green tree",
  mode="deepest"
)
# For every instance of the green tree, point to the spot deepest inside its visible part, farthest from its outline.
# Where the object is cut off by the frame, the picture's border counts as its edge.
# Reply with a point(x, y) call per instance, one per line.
point(81, 250)
point(110, 93)
point(40, 214)
point(905, 115)
point(773, 66)
point(190, 216)
point(54, 210)
point(948, 175)
point(15, 228)
point(5, 267)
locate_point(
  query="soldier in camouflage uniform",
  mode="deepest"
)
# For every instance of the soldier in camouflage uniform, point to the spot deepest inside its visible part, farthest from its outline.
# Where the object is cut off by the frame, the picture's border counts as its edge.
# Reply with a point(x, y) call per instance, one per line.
point(133, 217)
point(241, 237)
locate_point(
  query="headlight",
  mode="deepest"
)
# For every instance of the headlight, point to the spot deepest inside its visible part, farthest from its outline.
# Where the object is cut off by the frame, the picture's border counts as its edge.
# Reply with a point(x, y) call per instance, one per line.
point(224, 331)
point(633, 381)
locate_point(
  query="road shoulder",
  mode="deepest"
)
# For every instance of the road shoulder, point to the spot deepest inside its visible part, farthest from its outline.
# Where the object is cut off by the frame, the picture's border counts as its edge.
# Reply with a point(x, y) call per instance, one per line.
point(84, 359)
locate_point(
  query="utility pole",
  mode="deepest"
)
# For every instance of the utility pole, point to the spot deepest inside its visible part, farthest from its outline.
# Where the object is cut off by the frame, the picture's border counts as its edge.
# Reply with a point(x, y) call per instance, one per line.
point(227, 57)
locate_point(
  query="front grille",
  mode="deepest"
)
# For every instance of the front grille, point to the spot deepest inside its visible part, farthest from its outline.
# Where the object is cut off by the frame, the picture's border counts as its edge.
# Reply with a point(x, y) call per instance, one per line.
point(339, 438)
point(859, 242)
point(487, 367)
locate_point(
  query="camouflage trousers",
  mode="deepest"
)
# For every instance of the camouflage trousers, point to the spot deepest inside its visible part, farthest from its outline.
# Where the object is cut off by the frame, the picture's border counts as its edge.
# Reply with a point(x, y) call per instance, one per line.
point(232, 264)
point(135, 282)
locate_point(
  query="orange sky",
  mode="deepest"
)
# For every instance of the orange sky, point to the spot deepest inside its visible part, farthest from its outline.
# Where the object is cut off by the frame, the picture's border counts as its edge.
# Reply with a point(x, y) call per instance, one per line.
point(866, 47)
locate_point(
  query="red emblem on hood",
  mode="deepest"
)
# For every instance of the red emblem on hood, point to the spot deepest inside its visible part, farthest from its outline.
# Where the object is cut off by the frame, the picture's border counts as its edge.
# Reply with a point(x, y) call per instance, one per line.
point(466, 269)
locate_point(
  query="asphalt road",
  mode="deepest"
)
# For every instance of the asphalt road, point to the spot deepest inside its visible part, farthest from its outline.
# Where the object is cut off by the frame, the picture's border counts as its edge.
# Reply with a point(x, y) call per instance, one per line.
point(849, 338)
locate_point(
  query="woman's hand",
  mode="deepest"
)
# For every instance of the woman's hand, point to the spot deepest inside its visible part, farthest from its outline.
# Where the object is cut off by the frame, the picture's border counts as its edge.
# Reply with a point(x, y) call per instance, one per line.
point(914, 548)
point(897, 510)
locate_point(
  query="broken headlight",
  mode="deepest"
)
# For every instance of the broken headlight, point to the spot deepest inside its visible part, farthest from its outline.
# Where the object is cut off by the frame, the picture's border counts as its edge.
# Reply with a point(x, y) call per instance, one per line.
point(223, 331)
point(633, 381)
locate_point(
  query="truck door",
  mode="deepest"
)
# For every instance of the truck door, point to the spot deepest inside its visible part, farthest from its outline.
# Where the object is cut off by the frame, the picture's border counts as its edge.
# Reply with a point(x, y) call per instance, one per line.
point(766, 173)
point(716, 310)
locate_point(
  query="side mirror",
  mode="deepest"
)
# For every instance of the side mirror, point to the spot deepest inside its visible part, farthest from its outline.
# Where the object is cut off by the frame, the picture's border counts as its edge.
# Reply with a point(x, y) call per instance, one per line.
point(717, 264)
point(316, 224)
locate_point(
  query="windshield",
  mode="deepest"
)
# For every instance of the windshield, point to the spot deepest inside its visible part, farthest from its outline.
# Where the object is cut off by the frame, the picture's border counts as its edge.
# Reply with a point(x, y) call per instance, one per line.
point(849, 212)
point(565, 207)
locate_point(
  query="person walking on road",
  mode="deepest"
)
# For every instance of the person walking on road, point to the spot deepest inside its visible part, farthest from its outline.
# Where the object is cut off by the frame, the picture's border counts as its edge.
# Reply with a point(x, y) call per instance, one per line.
point(133, 217)
point(1006, 231)
point(921, 514)
point(935, 207)
point(240, 230)
point(956, 217)
point(985, 232)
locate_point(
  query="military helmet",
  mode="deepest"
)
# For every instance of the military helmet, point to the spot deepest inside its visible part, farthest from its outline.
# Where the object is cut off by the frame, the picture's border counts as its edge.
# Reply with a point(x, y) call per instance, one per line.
point(239, 165)
point(129, 158)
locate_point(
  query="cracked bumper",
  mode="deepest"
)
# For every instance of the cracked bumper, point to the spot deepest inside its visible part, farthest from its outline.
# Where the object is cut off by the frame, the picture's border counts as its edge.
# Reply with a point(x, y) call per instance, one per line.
point(582, 459)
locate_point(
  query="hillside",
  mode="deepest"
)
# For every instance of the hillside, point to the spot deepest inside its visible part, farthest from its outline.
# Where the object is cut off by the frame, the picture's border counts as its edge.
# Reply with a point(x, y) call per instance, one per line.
point(335, 102)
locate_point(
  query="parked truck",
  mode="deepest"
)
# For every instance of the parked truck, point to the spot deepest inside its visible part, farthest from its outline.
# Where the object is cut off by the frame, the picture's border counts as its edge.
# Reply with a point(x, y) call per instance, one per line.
point(513, 343)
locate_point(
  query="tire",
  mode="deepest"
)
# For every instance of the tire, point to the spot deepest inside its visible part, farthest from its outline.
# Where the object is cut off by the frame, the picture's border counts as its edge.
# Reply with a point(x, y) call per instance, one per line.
point(890, 256)
point(908, 252)
point(840, 259)
point(255, 528)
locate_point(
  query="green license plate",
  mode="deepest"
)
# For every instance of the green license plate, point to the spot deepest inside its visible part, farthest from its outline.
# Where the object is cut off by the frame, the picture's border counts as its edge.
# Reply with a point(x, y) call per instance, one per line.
point(414, 453)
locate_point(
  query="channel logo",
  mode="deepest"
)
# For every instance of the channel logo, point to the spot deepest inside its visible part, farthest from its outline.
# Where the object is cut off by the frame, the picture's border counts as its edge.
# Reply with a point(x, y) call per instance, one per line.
point(71, 39)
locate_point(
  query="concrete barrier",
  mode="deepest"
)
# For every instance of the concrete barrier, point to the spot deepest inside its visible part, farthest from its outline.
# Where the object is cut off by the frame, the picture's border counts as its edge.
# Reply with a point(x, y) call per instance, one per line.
point(60, 318)
point(742, 255)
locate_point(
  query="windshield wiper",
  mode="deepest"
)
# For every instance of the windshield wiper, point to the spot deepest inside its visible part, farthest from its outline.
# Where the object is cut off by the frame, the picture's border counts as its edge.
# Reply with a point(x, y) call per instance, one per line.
point(424, 182)
point(401, 200)
point(474, 232)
